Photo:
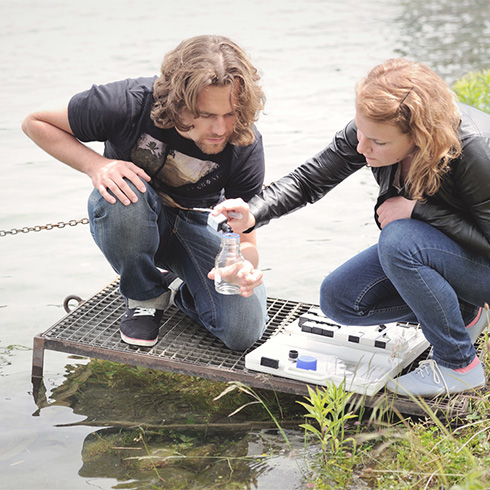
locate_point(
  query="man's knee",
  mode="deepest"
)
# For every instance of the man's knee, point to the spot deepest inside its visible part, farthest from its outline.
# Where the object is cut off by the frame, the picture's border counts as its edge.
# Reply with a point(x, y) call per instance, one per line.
point(240, 332)
point(118, 216)
point(240, 342)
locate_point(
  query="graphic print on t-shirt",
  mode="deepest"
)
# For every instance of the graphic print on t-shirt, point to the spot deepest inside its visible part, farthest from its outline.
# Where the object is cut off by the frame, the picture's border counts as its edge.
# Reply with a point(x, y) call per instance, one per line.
point(167, 166)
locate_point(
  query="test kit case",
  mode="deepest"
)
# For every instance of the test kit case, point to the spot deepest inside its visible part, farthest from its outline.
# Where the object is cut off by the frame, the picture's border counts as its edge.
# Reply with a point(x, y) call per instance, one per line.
point(317, 350)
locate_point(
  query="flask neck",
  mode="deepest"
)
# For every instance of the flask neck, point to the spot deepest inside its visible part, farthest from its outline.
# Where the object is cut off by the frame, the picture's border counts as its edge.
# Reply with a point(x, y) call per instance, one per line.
point(230, 239)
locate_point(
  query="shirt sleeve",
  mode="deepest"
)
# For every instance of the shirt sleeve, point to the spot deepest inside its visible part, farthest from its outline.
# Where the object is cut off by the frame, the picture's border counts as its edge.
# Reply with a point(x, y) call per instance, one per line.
point(106, 112)
point(248, 175)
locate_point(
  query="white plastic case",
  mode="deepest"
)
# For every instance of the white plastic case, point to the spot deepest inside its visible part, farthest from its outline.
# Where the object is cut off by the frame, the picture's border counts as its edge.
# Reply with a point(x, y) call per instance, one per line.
point(317, 350)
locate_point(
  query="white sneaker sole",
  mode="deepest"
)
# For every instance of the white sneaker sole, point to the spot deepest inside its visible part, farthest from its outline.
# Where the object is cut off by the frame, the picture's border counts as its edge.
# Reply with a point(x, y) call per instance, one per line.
point(138, 342)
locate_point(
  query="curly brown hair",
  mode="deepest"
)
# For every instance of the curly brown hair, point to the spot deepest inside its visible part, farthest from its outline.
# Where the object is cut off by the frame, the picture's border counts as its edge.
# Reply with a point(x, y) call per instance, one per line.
point(412, 96)
point(200, 62)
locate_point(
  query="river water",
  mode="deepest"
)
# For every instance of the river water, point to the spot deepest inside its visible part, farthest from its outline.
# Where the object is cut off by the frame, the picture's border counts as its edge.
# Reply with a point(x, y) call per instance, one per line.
point(310, 54)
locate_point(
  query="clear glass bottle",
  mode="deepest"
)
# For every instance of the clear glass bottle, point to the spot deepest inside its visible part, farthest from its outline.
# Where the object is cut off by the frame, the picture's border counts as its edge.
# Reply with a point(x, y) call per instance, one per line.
point(227, 264)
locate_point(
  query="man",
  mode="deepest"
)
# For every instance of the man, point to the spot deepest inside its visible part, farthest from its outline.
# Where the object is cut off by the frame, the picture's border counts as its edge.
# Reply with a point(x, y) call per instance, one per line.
point(181, 141)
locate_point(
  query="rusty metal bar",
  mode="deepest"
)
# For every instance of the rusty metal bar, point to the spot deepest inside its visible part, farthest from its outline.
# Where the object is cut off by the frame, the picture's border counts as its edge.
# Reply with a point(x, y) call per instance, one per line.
point(38, 356)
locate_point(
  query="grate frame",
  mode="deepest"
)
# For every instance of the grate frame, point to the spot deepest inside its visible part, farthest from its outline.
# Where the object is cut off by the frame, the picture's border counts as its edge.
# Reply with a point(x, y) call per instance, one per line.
point(92, 330)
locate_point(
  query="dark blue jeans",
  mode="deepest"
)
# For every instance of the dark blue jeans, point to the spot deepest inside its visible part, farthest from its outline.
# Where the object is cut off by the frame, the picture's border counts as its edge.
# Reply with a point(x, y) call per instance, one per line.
point(140, 239)
point(415, 273)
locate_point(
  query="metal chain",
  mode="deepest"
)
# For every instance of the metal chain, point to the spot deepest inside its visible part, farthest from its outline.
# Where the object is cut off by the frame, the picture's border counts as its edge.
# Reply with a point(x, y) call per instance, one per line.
point(27, 229)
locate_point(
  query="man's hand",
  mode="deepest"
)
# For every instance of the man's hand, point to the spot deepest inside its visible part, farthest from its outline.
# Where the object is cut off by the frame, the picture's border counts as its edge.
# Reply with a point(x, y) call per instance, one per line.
point(238, 214)
point(112, 175)
point(247, 277)
point(395, 208)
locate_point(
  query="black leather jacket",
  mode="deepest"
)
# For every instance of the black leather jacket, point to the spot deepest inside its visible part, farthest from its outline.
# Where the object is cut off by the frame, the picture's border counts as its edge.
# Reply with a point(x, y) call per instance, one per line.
point(460, 208)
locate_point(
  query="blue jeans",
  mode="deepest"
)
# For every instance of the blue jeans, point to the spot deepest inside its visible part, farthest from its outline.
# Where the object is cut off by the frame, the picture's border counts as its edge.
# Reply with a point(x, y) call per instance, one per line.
point(140, 238)
point(418, 274)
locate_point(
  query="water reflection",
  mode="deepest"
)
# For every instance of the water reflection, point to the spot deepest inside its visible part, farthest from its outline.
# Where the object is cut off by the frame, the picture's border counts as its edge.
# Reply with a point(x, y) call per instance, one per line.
point(195, 460)
point(162, 430)
point(451, 36)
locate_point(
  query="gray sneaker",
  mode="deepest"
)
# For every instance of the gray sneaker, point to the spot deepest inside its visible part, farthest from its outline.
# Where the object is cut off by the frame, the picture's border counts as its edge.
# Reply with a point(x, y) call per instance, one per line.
point(478, 325)
point(430, 379)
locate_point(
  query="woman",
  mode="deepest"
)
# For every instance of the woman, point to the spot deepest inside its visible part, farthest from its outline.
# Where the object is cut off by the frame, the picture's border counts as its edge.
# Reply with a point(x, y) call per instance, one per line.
point(431, 159)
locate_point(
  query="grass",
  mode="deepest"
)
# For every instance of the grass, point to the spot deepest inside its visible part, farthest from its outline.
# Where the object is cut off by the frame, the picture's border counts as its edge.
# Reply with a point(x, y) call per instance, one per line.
point(474, 89)
point(406, 454)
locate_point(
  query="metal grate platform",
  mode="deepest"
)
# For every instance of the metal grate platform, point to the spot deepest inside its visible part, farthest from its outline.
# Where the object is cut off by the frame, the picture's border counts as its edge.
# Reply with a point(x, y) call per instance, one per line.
point(92, 330)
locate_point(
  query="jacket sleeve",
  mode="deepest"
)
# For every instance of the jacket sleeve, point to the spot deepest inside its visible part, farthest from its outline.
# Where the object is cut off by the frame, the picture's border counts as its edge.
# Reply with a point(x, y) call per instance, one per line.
point(311, 181)
point(464, 212)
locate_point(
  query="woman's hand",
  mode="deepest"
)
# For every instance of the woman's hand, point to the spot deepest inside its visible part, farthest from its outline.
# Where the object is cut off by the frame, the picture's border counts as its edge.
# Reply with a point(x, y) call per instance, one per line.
point(237, 213)
point(394, 208)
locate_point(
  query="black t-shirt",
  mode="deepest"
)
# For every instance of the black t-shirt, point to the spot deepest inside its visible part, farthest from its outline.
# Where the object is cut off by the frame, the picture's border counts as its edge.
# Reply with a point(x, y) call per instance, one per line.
point(118, 114)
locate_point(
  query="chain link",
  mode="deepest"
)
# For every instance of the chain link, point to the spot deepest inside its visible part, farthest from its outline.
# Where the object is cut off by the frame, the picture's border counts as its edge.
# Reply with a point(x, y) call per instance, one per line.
point(60, 224)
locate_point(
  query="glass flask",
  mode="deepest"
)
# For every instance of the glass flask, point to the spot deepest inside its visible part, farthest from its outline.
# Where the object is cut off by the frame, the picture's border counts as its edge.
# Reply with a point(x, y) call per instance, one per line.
point(227, 264)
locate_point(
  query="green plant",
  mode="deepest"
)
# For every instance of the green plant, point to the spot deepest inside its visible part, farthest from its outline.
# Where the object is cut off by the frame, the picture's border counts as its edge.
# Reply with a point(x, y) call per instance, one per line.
point(327, 406)
point(429, 454)
point(474, 89)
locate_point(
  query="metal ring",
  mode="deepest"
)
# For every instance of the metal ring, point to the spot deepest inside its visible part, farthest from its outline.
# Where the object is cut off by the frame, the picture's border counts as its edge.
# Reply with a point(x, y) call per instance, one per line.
point(66, 302)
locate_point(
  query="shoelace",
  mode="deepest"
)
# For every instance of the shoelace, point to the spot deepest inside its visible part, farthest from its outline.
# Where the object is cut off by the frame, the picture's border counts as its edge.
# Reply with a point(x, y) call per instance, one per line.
point(438, 376)
point(139, 311)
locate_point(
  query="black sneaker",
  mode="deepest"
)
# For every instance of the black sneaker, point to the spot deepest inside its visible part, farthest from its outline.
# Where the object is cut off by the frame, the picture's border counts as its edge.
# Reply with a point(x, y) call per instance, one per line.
point(139, 326)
